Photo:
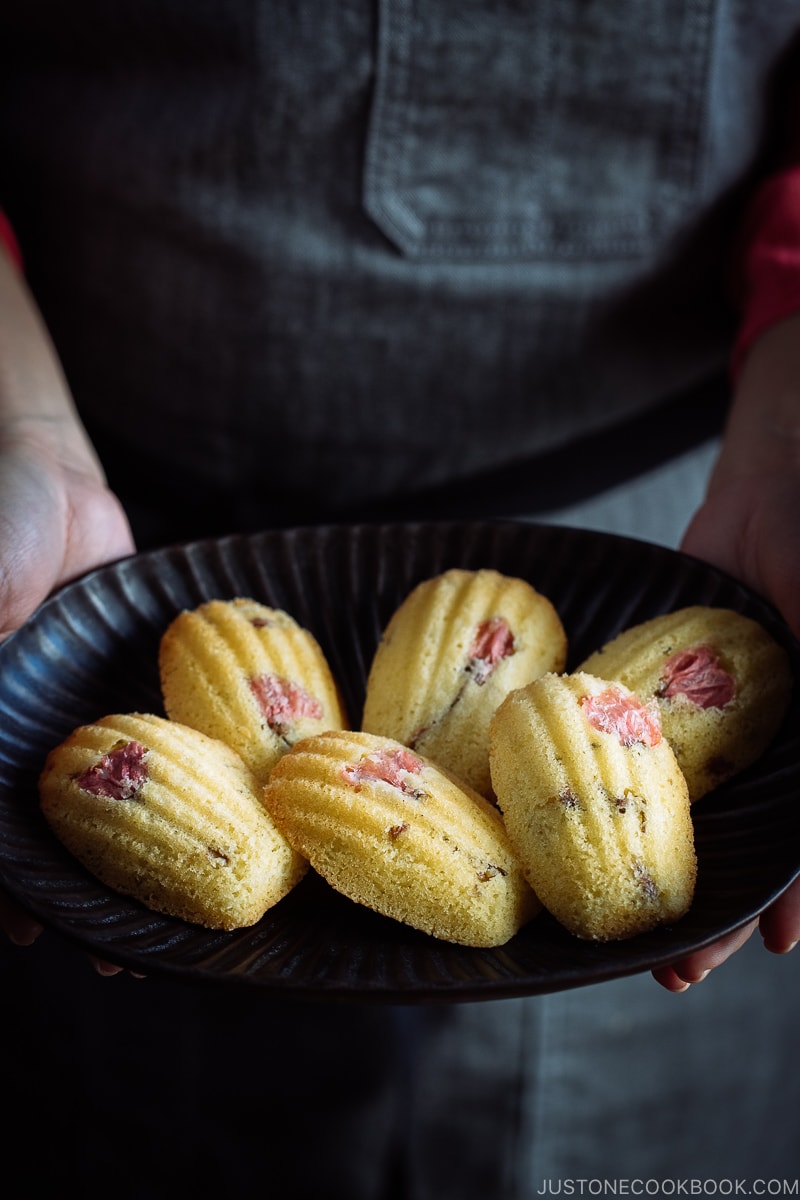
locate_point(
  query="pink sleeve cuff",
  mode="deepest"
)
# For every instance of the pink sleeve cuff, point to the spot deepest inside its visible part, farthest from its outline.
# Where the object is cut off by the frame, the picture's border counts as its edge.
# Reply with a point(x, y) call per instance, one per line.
point(8, 240)
point(767, 283)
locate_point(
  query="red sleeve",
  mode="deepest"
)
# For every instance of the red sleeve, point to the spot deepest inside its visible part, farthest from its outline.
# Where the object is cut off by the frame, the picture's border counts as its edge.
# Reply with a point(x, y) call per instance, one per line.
point(8, 240)
point(767, 282)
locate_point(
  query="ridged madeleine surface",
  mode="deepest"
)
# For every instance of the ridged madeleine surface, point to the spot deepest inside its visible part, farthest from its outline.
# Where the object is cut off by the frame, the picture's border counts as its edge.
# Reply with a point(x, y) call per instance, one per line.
point(249, 675)
point(388, 829)
point(453, 650)
point(595, 805)
point(161, 812)
point(721, 681)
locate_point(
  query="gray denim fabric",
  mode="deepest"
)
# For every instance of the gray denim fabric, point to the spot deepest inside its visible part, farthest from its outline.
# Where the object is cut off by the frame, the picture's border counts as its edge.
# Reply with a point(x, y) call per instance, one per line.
point(410, 241)
point(615, 1083)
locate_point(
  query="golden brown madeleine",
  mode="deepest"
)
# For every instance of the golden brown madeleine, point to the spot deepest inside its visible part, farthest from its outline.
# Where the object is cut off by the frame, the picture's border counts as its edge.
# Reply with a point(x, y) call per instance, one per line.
point(161, 812)
point(250, 676)
point(723, 685)
point(388, 829)
point(595, 805)
point(457, 645)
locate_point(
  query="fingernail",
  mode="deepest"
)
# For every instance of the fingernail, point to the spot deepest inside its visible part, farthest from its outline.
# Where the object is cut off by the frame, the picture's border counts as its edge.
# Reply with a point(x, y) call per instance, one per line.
point(106, 969)
point(779, 949)
point(697, 978)
point(25, 936)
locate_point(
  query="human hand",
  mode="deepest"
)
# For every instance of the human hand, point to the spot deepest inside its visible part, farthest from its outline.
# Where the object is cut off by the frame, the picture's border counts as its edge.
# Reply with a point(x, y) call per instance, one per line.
point(57, 518)
point(748, 526)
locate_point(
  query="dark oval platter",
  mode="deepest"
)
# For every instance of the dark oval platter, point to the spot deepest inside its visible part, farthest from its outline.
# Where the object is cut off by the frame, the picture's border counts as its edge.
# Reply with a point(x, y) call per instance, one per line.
point(92, 650)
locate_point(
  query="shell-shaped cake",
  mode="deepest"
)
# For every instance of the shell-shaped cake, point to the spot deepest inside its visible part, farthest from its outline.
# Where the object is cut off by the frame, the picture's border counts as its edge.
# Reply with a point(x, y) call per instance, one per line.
point(391, 831)
point(595, 805)
point(722, 683)
point(160, 812)
point(249, 675)
point(453, 650)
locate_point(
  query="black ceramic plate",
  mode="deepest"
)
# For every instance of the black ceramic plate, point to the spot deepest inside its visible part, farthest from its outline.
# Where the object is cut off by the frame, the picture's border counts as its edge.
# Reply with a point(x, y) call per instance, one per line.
point(92, 650)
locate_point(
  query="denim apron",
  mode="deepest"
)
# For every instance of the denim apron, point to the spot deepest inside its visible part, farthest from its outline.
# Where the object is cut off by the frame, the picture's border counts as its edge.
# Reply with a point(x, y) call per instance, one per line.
point(387, 247)
point(300, 260)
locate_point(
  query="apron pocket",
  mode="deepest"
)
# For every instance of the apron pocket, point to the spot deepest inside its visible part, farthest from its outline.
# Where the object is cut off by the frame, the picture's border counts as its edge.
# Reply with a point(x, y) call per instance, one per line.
point(542, 129)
